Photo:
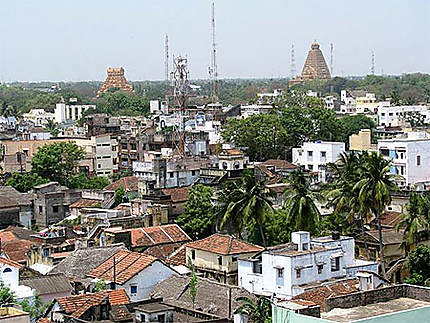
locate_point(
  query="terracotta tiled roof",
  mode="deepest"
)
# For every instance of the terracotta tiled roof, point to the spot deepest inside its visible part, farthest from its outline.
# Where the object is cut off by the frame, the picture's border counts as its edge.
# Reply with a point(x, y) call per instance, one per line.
point(127, 265)
point(318, 295)
point(77, 305)
point(279, 164)
point(390, 219)
point(44, 320)
point(178, 257)
point(224, 245)
point(9, 262)
point(81, 203)
point(129, 183)
point(177, 195)
point(232, 152)
point(150, 236)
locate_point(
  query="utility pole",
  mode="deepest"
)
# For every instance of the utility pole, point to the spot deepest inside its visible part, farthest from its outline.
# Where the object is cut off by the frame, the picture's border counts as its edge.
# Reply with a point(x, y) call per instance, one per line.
point(372, 68)
point(166, 58)
point(114, 273)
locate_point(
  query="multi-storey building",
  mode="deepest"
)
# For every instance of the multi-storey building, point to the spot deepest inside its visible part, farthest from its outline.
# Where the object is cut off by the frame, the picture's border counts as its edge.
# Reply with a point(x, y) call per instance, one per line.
point(106, 151)
point(284, 270)
point(410, 155)
point(401, 115)
point(39, 117)
point(314, 156)
point(67, 113)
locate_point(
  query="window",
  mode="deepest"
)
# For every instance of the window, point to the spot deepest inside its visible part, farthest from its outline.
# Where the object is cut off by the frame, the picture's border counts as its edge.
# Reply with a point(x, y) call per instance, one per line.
point(55, 209)
point(220, 260)
point(310, 155)
point(234, 259)
point(384, 152)
point(7, 270)
point(193, 173)
point(193, 254)
point(133, 289)
point(224, 165)
point(305, 246)
point(40, 209)
point(257, 267)
point(418, 160)
point(298, 273)
point(46, 252)
point(112, 285)
point(383, 114)
point(335, 264)
point(99, 165)
point(323, 156)
point(320, 268)
point(171, 175)
point(390, 114)
point(161, 318)
point(280, 272)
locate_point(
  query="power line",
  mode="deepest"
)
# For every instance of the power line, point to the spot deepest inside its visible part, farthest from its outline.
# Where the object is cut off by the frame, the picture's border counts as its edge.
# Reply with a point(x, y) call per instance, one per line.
point(213, 69)
point(372, 68)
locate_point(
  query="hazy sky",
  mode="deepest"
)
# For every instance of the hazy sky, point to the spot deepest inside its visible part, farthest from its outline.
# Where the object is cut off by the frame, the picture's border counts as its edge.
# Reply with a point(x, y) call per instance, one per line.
point(78, 39)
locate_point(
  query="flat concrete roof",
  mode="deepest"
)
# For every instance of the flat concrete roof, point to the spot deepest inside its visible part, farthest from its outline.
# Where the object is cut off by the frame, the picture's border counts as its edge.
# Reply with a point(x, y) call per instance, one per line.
point(373, 310)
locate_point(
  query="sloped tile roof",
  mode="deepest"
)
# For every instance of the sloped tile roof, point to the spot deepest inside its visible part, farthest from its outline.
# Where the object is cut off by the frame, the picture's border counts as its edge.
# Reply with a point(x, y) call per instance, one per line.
point(81, 203)
point(77, 305)
point(127, 265)
point(150, 236)
point(178, 257)
point(9, 262)
point(318, 295)
point(177, 195)
point(83, 260)
point(16, 249)
point(10, 197)
point(279, 164)
point(224, 245)
point(129, 183)
point(48, 284)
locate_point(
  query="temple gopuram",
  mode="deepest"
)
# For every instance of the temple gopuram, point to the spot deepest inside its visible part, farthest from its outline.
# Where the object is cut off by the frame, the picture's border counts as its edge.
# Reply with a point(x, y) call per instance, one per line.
point(315, 67)
point(115, 80)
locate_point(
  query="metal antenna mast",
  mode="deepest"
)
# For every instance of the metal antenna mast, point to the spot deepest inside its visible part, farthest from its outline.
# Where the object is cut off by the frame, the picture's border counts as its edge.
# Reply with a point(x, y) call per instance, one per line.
point(181, 86)
point(166, 58)
point(331, 59)
point(213, 69)
point(372, 68)
point(293, 62)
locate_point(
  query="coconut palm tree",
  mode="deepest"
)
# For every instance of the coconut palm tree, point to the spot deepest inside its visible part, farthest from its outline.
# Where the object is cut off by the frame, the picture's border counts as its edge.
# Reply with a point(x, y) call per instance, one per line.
point(52, 127)
point(259, 311)
point(250, 204)
point(374, 191)
point(414, 220)
point(302, 212)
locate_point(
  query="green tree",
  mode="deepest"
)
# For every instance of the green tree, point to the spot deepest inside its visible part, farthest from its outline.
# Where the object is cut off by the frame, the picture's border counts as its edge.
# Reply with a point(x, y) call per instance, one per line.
point(58, 161)
point(36, 308)
point(198, 219)
point(119, 195)
point(85, 182)
point(192, 285)
point(353, 125)
point(259, 311)
point(100, 286)
point(302, 212)
point(23, 182)
point(7, 296)
point(374, 191)
point(251, 207)
point(414, 220)
point(418, 264)
point(52, 127)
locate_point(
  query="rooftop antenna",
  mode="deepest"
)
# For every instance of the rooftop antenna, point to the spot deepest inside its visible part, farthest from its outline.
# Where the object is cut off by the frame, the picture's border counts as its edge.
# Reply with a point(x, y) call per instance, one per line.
point(213, 69)
point(331, 58)
point(293, 62)
point(166, 58)
point(372, 68)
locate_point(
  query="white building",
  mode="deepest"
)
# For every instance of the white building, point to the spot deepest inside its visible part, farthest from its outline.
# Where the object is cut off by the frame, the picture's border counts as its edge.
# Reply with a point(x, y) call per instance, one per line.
point(410, 156)
point(135, 272)
point(9, 276)
point(38, 117)
point(314, 156)
point(158, 107)
point(269, 97)
point(397, 116)
point(106, 155)
point(65, 112)
point(249, 110)
point(285, 270)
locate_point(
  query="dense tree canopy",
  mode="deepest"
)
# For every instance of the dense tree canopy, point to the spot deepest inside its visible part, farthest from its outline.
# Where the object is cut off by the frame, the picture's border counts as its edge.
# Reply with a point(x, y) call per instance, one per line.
point(57, 162)
point(23, 182)
point(198, 219)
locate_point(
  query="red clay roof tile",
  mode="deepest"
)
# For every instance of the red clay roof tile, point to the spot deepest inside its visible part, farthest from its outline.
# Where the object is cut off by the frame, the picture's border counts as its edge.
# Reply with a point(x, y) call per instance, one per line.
point(224, 245)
